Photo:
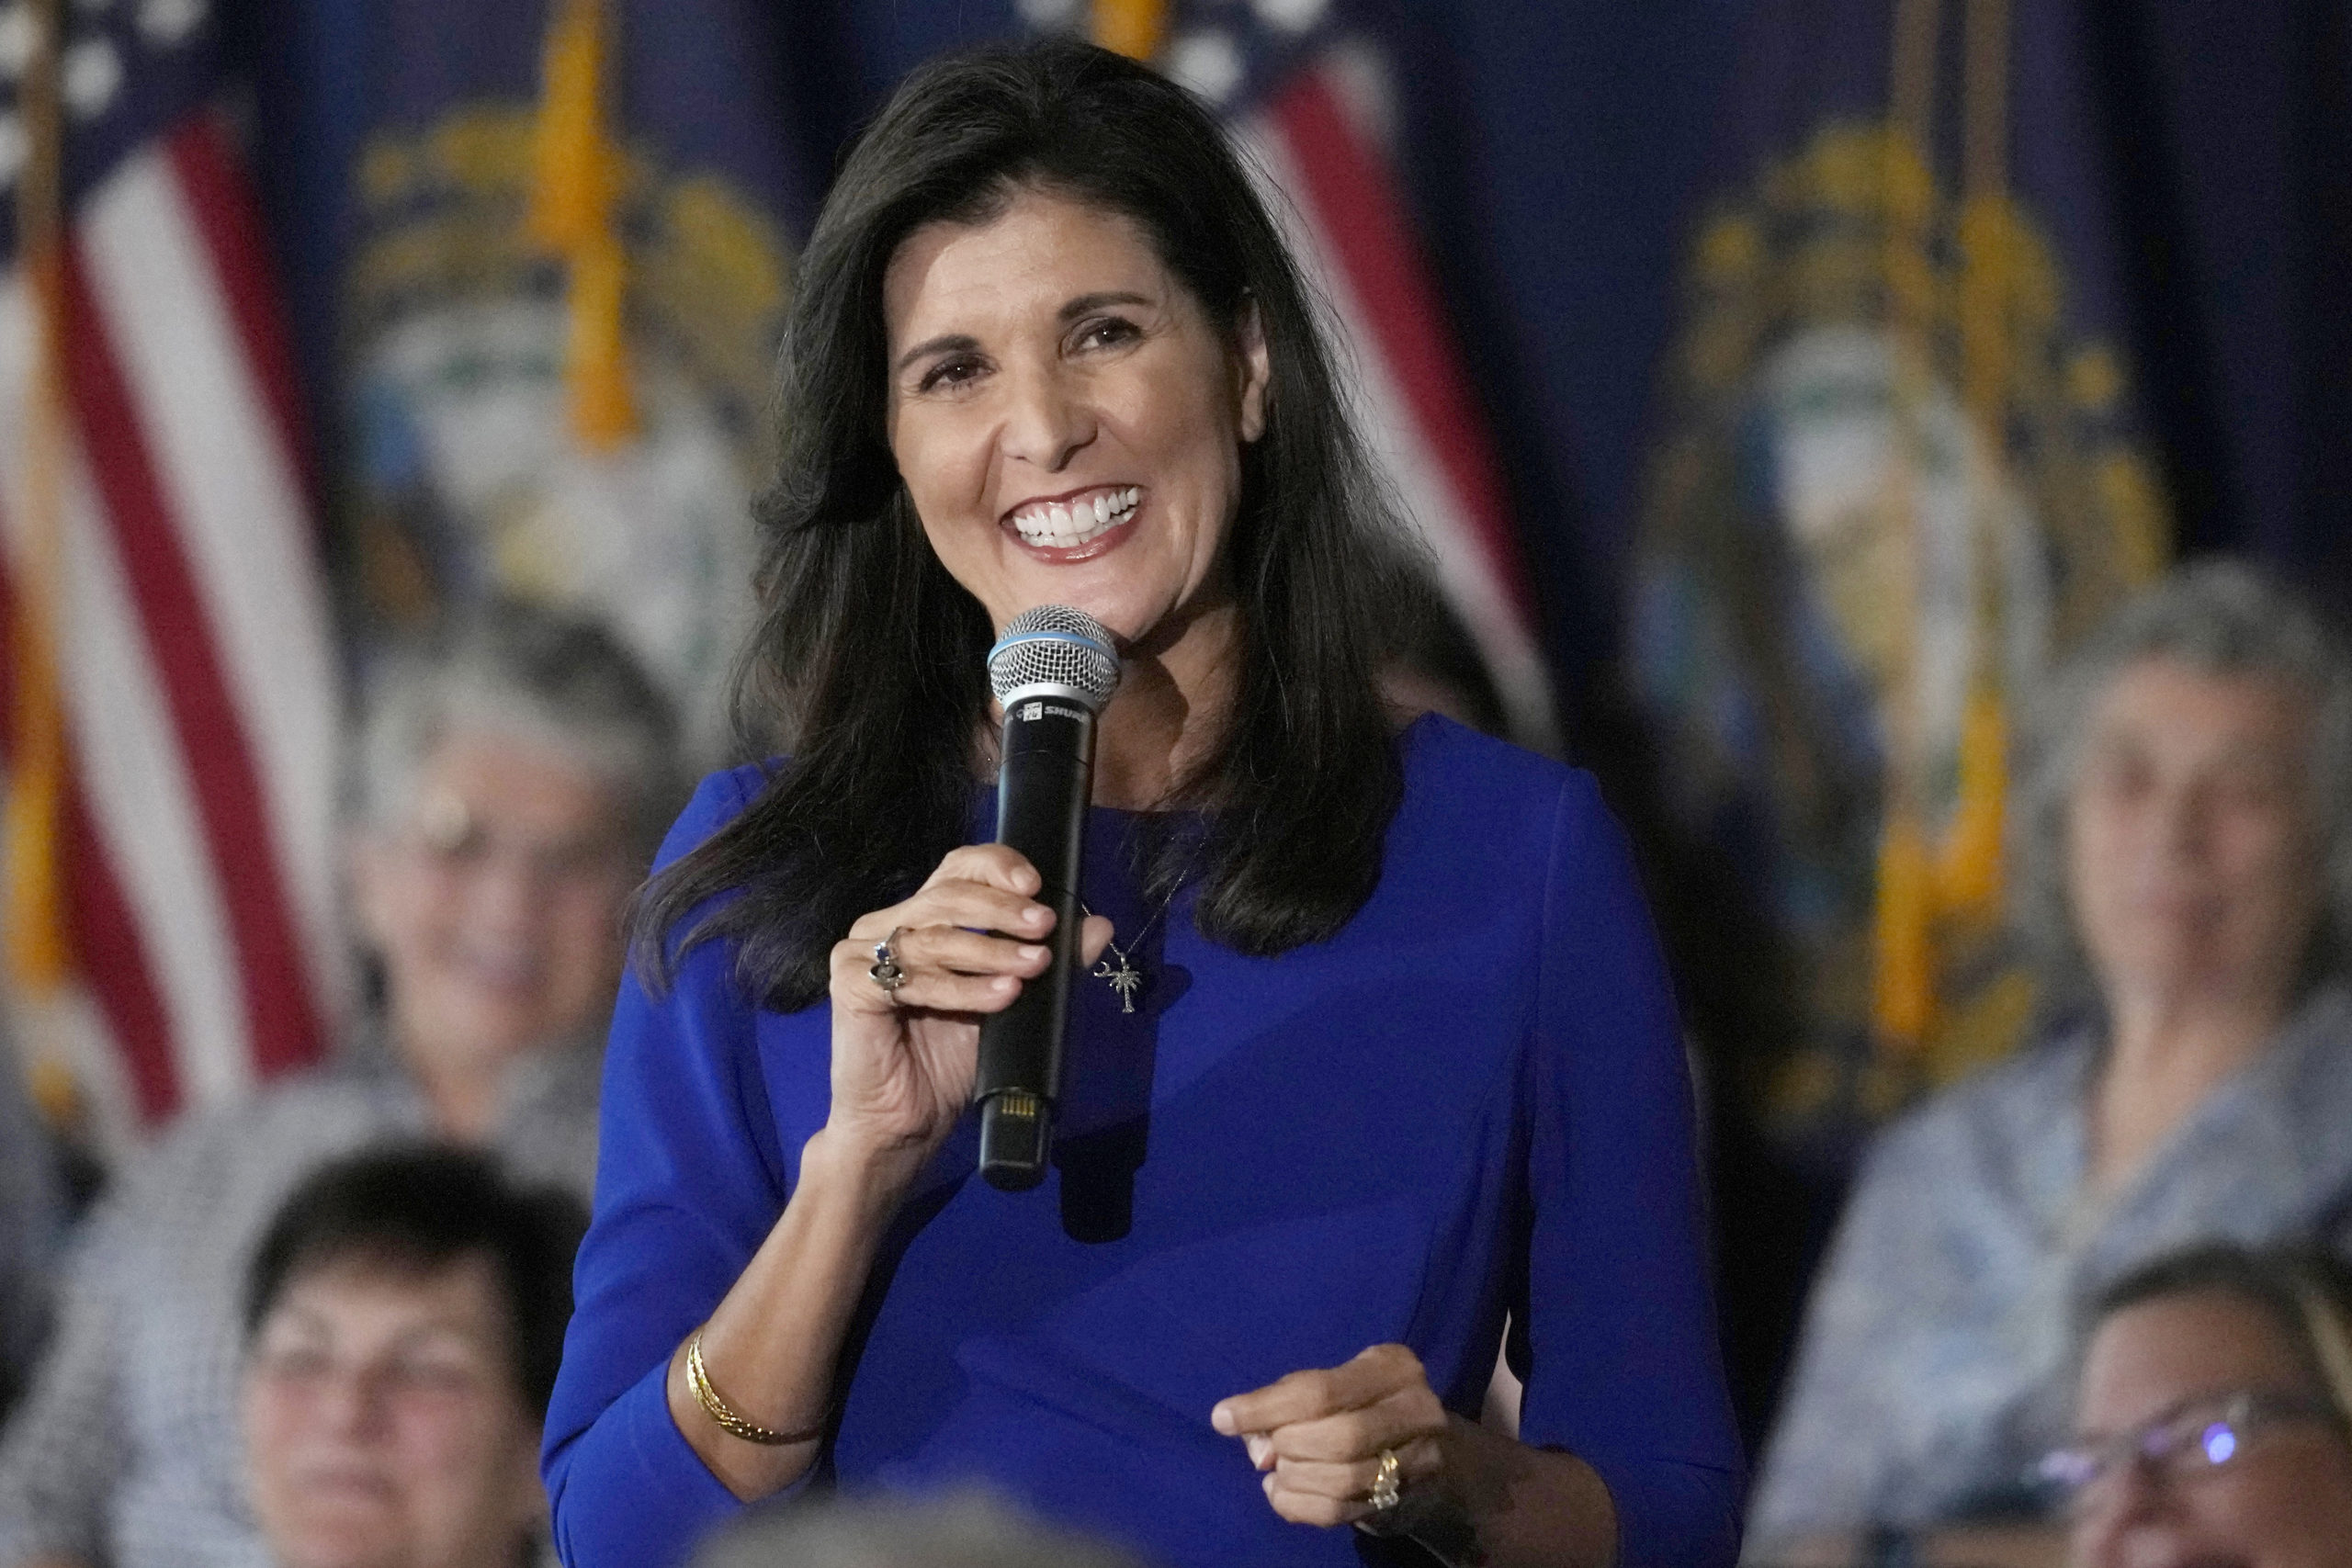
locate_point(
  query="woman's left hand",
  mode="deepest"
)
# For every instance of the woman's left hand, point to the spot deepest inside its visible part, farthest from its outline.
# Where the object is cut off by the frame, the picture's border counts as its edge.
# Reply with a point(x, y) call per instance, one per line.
point(1319, 1435)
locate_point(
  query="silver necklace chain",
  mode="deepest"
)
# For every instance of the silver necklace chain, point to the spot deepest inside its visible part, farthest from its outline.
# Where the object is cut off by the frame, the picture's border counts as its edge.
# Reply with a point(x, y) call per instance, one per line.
point(1126, 979)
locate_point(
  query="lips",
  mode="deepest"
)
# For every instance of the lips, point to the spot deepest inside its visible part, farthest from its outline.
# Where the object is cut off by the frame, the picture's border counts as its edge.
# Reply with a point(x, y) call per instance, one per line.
point(501, 968)
point(1077, 522)
point(342, 1486)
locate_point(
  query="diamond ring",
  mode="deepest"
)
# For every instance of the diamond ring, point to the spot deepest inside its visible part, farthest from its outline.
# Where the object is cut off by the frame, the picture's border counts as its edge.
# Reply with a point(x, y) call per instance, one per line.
point(886, 972)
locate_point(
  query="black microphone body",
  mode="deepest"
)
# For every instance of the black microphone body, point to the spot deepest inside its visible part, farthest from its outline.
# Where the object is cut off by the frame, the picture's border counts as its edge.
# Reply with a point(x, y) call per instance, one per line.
point(1047, 778)
point(1054, 669)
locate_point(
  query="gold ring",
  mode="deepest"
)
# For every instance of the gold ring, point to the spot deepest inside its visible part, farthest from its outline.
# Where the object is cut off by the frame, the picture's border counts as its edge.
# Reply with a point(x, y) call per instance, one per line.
point(1383, 1495)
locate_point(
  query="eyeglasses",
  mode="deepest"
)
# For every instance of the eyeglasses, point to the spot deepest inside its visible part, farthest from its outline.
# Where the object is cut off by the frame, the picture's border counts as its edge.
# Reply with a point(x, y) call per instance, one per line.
point(450, 840)
point(2191, 1440)
point(436, 1376)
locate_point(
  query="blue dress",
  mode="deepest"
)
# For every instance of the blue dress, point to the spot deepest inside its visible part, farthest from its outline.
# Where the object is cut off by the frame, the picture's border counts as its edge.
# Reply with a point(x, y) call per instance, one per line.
point(1469, 1103)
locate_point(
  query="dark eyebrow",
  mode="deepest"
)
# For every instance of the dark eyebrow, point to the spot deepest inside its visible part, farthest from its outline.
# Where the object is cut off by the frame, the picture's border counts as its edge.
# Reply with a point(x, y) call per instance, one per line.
point(959, 342)
point(1085, 302)
point(953, 343)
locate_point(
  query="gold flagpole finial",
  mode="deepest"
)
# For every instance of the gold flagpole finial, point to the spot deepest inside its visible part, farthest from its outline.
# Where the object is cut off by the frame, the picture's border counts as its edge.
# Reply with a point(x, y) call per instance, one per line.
point(1132, 27)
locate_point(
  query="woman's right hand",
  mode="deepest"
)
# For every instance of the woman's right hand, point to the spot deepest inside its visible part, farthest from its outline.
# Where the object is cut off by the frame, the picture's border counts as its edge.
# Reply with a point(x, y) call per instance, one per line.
point(903, 1065)
point(904, 1060)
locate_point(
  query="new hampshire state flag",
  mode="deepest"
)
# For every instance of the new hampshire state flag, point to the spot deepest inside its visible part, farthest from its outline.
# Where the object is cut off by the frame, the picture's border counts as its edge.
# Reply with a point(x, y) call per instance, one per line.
point(1900, 468)
point(562, 232)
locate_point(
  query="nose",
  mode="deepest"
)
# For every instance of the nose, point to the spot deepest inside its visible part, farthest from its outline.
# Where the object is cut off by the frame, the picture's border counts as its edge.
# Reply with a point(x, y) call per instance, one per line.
point(350, 1401)
point(2186, 812)
point(509, 892)
point(2121, 1524)
point(1048, 421)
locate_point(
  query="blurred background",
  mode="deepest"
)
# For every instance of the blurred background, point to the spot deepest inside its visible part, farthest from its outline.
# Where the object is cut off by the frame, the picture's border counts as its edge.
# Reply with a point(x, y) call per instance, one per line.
point(1784, 388)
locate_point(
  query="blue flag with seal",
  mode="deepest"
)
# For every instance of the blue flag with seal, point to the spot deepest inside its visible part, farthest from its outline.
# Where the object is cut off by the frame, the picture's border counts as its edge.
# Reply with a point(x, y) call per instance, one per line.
point(563, 254)
point(1900, 467)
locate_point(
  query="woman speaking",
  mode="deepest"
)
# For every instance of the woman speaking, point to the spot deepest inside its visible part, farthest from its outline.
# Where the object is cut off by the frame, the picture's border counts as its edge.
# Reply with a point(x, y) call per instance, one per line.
point(1372, 1045)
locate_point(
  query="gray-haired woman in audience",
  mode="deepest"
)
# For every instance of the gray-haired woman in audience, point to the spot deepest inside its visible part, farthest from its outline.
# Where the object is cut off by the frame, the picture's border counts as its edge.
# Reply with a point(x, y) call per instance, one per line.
point(507, 792)
point(2186, 851)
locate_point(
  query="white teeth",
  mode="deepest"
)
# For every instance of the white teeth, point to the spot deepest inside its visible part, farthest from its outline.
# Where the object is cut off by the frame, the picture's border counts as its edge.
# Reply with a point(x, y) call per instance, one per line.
point(1064, 526)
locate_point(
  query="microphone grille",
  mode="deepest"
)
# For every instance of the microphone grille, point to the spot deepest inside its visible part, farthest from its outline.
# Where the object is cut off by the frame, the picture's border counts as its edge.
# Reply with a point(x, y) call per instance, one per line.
point(1054, 645)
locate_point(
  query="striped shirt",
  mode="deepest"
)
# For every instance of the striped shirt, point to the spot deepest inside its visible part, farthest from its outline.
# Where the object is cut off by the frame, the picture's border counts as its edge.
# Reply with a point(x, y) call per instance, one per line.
point(126, 1450)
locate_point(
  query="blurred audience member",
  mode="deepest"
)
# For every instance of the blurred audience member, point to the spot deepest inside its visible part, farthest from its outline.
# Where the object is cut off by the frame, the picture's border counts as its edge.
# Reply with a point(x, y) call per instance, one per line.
point(962, 1532)
point(404, 1318)
point(508, 790)
point(29, 1216)
point(2214, 1419)
point(2184, 847)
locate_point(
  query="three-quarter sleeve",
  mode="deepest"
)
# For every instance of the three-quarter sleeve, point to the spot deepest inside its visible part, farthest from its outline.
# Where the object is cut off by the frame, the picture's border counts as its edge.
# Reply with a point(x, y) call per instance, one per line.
point(1624, 1367)
point(689, 1181)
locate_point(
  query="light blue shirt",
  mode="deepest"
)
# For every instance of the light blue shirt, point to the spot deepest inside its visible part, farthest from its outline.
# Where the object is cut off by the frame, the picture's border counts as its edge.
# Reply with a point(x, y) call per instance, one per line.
point(1935, 1364)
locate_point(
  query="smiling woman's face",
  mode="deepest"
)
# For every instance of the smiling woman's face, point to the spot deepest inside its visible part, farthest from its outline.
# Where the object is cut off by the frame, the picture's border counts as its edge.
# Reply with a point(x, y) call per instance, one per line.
point(494, 901)
point(1068, 420)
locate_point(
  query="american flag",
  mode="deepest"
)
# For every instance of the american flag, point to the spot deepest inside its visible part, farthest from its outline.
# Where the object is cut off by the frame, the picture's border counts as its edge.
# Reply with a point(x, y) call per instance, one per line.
point(194, 666)
point(1306, 88)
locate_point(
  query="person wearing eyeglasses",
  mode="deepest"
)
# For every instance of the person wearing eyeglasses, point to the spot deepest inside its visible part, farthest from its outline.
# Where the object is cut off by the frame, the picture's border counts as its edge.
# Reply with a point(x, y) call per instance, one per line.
point(404, 1315)
point(2185, 870)
point(2213, 1421)
point(506, 792)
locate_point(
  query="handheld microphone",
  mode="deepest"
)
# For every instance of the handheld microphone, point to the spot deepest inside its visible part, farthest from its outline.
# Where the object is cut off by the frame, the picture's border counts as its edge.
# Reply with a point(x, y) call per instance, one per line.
point(1053, 669)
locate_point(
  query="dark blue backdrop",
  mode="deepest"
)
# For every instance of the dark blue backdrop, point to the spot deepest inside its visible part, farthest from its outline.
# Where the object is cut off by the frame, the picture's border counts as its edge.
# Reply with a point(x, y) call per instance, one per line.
point(1562, 148)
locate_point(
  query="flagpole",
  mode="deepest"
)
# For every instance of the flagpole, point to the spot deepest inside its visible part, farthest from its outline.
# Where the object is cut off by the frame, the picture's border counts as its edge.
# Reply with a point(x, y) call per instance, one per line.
point(39, 956)
point(1902, 977)
point(1970, 874)
point(575, 190)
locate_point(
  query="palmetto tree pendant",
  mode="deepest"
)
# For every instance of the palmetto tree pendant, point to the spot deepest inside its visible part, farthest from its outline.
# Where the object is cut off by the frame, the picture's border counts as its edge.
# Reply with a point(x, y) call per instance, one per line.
point(1125, 979)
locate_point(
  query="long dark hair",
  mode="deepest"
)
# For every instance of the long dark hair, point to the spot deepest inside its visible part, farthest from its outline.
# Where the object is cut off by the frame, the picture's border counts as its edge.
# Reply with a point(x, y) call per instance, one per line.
point(871, 657)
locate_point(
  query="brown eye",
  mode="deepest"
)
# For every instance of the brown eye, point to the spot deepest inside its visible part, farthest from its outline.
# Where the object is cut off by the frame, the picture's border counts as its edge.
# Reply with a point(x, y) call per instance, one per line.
point(1107, 332)
point(432, 1375)
point(950, 374)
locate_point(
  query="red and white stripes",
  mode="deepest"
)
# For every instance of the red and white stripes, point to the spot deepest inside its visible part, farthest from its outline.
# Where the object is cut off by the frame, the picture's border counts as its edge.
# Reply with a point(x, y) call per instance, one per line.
point(1349, 228)
point(199, 676)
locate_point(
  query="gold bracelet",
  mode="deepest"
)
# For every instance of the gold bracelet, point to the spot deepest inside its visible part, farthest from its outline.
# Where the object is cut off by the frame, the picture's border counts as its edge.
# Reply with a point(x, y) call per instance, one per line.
point(717, 1409)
